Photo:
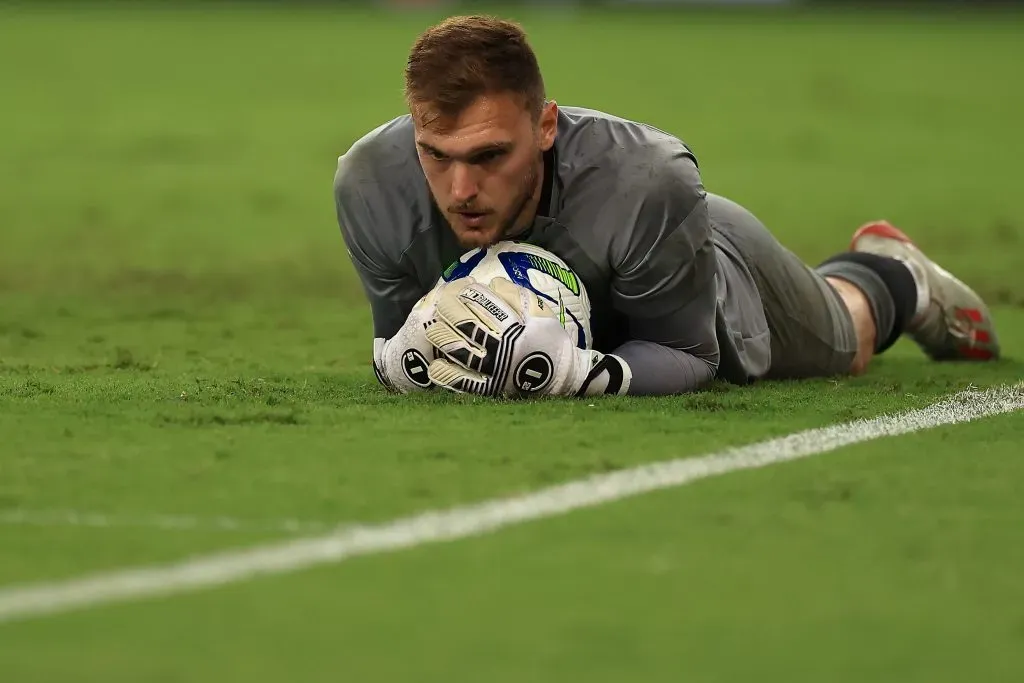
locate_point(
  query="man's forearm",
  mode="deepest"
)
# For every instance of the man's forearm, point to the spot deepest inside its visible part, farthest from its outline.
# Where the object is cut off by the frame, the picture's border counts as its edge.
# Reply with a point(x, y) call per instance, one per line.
point(661, 371)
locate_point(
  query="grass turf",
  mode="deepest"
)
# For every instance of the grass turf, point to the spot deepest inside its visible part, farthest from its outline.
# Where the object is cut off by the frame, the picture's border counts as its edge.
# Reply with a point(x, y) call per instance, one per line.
point(180, 333)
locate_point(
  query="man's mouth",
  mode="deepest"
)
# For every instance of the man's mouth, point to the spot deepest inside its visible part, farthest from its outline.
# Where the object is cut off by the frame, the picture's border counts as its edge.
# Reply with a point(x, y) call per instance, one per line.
point(472, 219)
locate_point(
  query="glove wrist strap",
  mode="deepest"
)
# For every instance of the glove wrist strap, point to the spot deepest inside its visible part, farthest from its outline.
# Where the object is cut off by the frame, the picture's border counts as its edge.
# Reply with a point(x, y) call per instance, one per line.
point(608, 374)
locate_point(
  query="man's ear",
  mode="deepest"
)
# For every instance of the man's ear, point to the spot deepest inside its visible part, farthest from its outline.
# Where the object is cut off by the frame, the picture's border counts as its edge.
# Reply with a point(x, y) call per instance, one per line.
point(547, 126)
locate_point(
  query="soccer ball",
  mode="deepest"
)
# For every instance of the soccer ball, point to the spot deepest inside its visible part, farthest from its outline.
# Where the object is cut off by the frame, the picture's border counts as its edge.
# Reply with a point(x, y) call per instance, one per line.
point(539, 271)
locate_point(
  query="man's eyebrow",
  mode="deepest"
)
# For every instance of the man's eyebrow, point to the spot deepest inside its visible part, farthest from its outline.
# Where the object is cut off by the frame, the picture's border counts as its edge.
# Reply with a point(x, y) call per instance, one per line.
point(490, 147)
point(427, 147)
point(476, 151)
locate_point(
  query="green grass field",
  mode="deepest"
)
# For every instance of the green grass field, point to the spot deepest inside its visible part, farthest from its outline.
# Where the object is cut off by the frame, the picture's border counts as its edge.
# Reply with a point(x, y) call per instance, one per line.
point(181, 335)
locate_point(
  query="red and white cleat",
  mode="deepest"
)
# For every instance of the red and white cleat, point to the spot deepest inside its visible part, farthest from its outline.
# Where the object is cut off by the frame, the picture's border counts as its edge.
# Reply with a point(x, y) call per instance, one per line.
point(951, 321)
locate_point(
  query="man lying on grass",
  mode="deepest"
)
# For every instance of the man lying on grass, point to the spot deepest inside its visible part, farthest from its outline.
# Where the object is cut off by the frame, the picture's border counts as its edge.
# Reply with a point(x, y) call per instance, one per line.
point(686, 285)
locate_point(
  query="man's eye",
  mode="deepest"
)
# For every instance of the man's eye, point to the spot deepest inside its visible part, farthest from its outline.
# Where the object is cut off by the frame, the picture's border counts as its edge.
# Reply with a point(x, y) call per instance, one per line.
point(436, 155)
point(487, 157)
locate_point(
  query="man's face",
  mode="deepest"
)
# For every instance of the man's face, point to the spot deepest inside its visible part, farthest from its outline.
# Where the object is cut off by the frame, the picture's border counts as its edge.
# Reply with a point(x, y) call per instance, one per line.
point(485, 166)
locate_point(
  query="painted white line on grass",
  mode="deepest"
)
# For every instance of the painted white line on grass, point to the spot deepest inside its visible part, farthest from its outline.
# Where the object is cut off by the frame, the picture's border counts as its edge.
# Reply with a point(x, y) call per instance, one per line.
point(20, 602)
point(102, 520)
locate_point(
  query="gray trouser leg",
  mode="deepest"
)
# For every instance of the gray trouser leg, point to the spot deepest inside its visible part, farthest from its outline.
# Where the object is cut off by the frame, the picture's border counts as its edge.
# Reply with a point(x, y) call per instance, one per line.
point(812, 333)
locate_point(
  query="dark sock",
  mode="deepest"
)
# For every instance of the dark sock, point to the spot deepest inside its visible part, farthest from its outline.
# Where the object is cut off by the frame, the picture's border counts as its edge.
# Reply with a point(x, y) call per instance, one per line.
point(888, 285)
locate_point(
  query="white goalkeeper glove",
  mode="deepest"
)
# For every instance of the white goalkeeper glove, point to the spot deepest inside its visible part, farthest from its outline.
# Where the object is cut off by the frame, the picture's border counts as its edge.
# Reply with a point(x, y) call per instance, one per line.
point(401, 362)
point(504, 340)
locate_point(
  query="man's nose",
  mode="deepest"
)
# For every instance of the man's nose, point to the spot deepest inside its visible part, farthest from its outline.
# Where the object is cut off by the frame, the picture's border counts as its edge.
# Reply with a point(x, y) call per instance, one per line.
point(464, 185)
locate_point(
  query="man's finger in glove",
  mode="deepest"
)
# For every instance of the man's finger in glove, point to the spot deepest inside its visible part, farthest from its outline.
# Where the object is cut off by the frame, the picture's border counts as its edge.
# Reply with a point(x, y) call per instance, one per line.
point(503, 340)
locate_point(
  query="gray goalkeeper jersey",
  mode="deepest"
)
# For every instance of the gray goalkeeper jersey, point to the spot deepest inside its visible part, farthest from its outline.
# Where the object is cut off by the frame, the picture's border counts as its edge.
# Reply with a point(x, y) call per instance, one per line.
point(623, 205)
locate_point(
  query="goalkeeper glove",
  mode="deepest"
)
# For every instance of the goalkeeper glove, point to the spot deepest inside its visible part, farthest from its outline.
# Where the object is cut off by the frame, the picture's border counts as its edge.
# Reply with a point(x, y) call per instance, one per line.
point(401, 363)
point(504, 340)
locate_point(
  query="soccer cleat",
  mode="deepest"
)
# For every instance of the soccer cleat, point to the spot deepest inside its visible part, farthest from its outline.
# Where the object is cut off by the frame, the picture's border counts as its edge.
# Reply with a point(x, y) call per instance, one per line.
point(951, 321)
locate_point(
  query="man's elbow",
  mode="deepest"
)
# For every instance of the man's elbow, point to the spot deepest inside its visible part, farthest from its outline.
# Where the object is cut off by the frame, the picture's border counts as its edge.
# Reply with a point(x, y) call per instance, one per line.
point(664, 371)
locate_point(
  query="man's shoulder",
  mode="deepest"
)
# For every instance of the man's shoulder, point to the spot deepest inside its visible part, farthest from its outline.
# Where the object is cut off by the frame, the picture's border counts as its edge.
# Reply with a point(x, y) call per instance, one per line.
point(609, 162)
point(384, 150)
point(591, 138)
point(379, 188)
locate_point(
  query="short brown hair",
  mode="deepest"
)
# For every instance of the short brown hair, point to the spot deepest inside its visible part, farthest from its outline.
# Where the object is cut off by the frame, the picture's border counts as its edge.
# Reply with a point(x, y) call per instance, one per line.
point(462, 58)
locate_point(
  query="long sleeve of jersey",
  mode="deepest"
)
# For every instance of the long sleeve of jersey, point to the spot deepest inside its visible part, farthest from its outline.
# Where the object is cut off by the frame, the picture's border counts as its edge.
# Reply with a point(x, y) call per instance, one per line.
point(665, 284)
point(661, 370)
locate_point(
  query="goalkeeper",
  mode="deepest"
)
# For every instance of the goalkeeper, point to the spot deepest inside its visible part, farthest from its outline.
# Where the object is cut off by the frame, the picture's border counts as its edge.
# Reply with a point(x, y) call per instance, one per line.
point(685, 285)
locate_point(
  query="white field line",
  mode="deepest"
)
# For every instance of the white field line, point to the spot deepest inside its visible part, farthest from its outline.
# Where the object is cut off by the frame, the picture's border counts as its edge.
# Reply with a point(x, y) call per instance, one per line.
point(21, 602)
point(158, 522)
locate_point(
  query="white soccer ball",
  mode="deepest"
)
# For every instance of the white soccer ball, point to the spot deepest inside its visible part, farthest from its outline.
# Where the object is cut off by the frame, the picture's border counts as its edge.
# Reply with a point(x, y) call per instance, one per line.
point(538, 270)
